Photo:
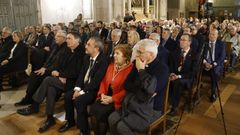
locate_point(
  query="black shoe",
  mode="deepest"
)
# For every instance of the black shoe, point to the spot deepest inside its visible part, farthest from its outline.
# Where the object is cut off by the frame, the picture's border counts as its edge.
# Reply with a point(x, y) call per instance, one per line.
point(213, 97)
point(22, 102)
point(46, 126)
point(66, 126)
point(27, 111)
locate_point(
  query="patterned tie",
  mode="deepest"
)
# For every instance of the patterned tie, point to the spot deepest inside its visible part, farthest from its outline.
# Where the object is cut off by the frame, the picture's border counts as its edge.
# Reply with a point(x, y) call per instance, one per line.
point(181, 61)
point(210, 52)
point(87, 77)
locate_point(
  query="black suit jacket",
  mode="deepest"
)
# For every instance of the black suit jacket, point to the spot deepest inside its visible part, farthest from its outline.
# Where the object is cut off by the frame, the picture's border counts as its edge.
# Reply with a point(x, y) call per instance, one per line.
point(170, 44)
point(6, 47)
point(104, 34)
point(43, 41)
point(19, 57)
point(189, 66)
point(96, 74)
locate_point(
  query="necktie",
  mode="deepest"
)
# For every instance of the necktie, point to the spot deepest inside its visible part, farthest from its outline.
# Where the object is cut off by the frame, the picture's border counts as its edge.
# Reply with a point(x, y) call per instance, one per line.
point(210, 53)
point(181, 61)
point(87, 77)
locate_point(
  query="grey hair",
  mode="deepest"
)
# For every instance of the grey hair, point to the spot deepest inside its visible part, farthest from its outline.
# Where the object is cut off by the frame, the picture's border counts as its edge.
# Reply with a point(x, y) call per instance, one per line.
point(7, 29)
point(98, 43)
point(62, 32)
point(57, 27)
point(156, 36)
point(149, 45)
point(117, 31)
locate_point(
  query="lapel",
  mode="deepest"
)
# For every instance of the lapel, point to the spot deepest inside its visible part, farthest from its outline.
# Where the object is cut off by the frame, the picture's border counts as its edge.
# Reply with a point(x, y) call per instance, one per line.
point(94, 64)
point(187, 59)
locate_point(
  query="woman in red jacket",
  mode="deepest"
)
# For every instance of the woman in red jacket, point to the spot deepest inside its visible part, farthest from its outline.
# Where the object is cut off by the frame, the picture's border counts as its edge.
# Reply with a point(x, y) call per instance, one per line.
point(111, 90)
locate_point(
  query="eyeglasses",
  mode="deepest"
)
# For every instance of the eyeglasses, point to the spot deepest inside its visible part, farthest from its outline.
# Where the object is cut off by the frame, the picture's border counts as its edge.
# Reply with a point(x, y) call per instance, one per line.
point(183, 40)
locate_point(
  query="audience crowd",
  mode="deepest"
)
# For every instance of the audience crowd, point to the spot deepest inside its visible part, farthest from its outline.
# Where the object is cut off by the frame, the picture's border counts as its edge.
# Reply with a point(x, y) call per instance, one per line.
point(116, 74)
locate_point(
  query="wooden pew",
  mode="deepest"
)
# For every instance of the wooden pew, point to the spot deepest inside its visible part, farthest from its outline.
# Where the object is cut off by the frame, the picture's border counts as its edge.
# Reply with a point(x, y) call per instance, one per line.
point(228, 46)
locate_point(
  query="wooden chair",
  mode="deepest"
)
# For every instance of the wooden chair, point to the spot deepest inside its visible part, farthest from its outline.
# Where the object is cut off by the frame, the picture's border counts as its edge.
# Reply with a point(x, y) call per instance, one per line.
point(228, 46)
point(14, 79)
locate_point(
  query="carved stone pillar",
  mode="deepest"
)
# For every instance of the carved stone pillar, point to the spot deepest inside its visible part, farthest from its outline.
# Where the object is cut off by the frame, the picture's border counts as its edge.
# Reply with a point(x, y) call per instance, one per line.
point(146, 5)
point(162, 9)
point(129, 5)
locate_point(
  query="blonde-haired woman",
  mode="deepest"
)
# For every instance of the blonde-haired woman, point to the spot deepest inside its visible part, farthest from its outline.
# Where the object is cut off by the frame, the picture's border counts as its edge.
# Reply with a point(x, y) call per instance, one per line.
point(17, 59)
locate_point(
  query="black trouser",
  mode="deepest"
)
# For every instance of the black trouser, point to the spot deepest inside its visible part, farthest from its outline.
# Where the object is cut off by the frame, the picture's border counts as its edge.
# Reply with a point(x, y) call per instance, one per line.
point(33, 84)
point(177, 87)
point(99, 117)
point(50, 88)
point(81, 104)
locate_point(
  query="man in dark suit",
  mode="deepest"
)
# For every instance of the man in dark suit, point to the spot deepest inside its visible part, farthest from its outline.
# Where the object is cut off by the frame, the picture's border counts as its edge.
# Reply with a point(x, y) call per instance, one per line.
point(103, 32)
point(38, 75)
point(94, 67)
point(167, 41)
point(116, 39)
point(42, 48)
point(214, 56)
point(183, 72)
point(162, 51)
point(6, 44)
point(62, 79)
point(194, 43)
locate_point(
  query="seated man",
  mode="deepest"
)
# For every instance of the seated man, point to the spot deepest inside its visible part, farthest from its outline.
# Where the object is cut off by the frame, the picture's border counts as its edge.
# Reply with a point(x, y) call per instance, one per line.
point(62, 79)
point(214, 56)
point(6, 43)
point(183, 72)
point(139, 108)
point(37, 76)
point(233, 37)
point(95, 64)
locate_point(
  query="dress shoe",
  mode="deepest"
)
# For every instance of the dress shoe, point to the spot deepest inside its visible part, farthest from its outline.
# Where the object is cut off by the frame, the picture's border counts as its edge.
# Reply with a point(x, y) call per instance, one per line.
point(27, 111)
point(22, 102)
point(66, 126)
point(46, 126)
point(213, 97)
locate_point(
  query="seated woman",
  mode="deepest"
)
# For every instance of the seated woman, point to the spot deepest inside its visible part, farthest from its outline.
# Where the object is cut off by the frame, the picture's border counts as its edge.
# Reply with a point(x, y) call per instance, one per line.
point(111, 90)
point(17, 59)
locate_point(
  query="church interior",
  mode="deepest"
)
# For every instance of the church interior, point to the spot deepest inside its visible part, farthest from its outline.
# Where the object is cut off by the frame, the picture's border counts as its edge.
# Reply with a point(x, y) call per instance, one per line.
point(119, 67)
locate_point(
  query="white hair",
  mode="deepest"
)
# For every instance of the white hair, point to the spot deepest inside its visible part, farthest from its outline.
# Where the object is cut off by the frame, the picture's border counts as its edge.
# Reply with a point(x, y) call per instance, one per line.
point(117, 31)
point(156, 36)
point(149, 45)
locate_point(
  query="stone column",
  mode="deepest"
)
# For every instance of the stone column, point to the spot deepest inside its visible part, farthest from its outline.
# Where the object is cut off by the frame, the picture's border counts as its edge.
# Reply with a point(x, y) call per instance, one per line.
point(156, 6)
point(146, 5)
point(103, 10)
point(129, 5)
point(162, 9)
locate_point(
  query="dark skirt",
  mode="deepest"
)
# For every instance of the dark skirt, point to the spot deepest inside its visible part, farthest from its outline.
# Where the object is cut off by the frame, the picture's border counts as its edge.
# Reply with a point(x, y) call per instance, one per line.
point(101, 111)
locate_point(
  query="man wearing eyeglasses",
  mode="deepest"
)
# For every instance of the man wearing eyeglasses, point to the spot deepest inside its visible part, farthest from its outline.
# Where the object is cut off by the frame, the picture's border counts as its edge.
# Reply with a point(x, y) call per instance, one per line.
point(183, 72)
